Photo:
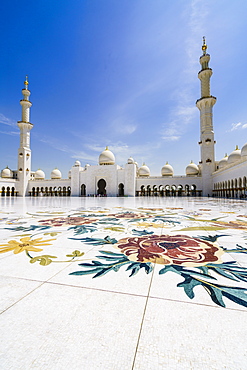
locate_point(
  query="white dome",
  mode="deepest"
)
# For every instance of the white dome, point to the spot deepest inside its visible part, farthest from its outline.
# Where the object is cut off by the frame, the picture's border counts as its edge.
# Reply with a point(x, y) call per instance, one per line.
point(167, 170)
point(144, 170)
point(192, 169)
point(234, 156)
point(77, 164)
point(136, 164)
point(244, 150)
point(56, 174)
point(131, 160)
point(39, 175)
point(87, 165)
point(223, 162)
point(106, 157)
point(6, 173)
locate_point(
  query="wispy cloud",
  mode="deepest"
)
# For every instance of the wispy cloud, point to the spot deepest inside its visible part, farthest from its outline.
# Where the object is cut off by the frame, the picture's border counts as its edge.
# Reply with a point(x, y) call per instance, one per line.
point(237, 126)
point(124, 126)
point(184, 110)
point(56, 144)
point(7, 121)
point(12, 133)
point(180, 118)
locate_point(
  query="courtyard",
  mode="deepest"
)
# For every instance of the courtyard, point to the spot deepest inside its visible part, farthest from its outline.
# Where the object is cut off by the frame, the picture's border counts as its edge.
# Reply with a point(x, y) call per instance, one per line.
point(123, 283)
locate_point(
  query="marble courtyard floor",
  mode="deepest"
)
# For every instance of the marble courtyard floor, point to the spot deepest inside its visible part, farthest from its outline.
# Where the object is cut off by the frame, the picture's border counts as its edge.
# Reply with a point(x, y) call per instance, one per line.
point(123, 283)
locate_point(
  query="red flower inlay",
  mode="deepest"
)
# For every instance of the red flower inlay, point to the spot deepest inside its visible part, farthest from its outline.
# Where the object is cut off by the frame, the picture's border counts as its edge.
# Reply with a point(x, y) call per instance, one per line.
point(167, 250)
point(68, 221)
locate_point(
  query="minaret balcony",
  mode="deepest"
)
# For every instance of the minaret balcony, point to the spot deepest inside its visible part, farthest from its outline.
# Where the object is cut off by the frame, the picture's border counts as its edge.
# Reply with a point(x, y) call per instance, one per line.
point(205, 102)
point(205, 73)
point(26, 103)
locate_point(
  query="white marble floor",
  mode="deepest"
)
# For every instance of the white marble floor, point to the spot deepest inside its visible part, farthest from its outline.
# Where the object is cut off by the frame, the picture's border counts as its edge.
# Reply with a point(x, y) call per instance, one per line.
point(67, 299)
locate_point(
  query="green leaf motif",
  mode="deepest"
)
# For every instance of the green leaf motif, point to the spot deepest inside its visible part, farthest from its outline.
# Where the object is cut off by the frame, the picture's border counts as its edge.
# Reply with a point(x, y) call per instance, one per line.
point(75, 253)
point(117, 261)
point(206, 228)
point(211, 238)
point(29, 228)
point(115, 228)
point(81, 229)
point(43, 260)
point(96, 241)
point(141, 232)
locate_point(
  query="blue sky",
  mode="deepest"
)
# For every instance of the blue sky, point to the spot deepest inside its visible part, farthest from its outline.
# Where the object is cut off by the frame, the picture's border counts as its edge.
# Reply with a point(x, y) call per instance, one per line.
point(121, 74)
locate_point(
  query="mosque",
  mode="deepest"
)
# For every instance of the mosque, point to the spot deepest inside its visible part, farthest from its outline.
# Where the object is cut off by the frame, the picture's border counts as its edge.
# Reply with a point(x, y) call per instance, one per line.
point(224, 178)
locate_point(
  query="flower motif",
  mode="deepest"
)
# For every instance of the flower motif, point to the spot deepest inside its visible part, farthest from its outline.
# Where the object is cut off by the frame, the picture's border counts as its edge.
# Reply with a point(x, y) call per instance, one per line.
point(157, 225)
point(167, 250)
point(25, 244)
point(130, 215)
point(67, 221)
point(232, 224)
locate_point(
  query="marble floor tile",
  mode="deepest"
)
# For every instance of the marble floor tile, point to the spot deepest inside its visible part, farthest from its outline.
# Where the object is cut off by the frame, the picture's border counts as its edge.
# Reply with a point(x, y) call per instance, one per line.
point(61, 327)
point(12, 290)
point(178, 335)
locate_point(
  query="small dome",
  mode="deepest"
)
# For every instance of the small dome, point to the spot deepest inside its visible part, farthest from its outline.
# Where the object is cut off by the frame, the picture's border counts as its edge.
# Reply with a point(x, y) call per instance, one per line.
point(234, 156)
point(192, 169)
point(69, 174)
point(223, 162)
point(131, 160)
point(39, 175)
point(244, 150)
point(106, 157)
point(7, 173)
point(144, 171)
point(56, 174)
point(77, 164)
point(167, 170)
point(87, 165)
point(136, 164)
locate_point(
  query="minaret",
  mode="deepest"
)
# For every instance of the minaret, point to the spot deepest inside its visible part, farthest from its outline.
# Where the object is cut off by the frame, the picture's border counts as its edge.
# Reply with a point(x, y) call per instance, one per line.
point(205, 105)
point(24, 151)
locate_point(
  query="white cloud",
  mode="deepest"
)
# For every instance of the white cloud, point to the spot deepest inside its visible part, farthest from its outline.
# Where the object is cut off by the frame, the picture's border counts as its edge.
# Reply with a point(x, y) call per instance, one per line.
point(7, 121)
point(171, 138)
point(122, 126)
point(12, 133)
point(237, 126)
point(181, 117)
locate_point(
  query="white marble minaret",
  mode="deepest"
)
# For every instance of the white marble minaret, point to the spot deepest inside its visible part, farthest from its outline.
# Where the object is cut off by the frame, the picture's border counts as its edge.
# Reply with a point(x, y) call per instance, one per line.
point(205, 105)
point(24, 151)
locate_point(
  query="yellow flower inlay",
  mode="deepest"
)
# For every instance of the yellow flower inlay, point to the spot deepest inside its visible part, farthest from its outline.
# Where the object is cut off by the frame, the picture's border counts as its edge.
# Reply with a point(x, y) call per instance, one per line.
point(25, 244)
point(156, 225)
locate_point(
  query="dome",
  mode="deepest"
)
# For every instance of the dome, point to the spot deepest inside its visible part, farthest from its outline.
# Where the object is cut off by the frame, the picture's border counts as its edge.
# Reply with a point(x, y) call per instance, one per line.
point(234, 156)
point(144, 170)
point(6, 173)
point(39, 175)
point(87, 165)
point(167, 170)
point(131, 160)
point(106, 157)
point(56, 174)
point(244, 150)
point(77, 164)
point(136, 164)
point(223, 162)
point(192, 169)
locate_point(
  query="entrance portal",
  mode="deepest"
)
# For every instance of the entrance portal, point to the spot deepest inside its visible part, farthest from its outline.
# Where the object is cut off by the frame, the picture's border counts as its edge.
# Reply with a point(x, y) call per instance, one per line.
point(121, 190)
point(101, 187)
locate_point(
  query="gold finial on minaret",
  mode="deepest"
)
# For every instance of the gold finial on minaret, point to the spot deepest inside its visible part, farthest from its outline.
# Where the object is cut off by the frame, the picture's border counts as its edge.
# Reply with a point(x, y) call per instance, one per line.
point(26, 82)
point(204, 45)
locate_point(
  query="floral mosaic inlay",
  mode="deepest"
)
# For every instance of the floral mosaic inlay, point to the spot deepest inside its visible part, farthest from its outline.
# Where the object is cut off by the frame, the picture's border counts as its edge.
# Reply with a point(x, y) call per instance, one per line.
point(197, 245)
